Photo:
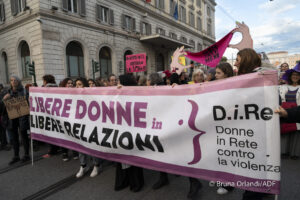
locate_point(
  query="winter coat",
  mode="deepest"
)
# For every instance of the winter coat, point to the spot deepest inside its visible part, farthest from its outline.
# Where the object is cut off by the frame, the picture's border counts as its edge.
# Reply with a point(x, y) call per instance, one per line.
point(24, 120)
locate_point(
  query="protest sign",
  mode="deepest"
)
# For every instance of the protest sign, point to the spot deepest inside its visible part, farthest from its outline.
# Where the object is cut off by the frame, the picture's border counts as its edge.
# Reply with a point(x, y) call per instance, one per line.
point(16, 107)
point(136, 63)
point(218, 131)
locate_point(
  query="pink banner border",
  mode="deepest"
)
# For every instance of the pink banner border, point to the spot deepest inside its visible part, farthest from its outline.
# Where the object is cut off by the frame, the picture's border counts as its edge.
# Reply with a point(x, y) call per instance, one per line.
point(243, 81)
point(160, 166)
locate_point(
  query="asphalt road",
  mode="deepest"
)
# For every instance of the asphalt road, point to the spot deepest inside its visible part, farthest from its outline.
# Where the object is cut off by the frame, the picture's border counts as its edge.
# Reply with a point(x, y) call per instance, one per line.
point(53, 179)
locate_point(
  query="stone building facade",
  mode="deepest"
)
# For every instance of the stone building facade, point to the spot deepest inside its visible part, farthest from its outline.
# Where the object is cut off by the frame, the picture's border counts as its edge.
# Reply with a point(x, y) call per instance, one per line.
point(279, 57)
point(62, 37)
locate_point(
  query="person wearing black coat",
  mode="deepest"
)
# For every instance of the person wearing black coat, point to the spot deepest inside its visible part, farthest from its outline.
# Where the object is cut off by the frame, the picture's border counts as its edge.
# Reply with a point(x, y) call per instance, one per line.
point(127, 175)
point(19, 124)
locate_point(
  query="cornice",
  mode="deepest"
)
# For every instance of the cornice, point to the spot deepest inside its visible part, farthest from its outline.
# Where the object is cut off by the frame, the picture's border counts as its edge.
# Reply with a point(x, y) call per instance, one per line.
point(168, 20)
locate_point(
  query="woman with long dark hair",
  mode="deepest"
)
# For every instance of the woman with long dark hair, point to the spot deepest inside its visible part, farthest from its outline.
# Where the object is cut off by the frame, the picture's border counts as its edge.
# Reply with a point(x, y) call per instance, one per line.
point(246, 62)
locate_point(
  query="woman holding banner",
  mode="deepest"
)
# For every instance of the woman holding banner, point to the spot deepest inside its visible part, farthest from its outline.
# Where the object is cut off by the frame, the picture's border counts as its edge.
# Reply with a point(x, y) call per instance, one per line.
point(223, 70)
point(248, 61)
point(67, 82)
point(81, 83)
point(290, 97)
point(18, 124)
point(195, 184)
point(127, 175)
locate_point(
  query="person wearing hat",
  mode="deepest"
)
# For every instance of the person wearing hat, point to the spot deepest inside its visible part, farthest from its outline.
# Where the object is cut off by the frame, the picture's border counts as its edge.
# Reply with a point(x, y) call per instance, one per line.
point(290, 97)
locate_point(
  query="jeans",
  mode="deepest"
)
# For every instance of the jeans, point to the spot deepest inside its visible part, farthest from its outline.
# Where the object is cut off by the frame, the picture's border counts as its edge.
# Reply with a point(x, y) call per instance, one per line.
point(83, 160)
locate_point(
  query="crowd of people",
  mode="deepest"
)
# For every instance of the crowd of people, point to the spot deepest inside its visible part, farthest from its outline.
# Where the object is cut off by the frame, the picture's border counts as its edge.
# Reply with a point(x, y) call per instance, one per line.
point(247, 61)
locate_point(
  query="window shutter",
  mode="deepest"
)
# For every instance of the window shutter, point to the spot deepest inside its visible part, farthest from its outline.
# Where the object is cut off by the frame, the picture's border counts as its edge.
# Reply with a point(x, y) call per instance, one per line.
point(141, 27)
point(162, 4)
point(123, 21)
point(65, 5)
point(23, 4)
point(98, 12)
point(157, 29)
point(133, 24)
point(111, 17)
point(82, 9)
point(184, 15)
point(14, 10)
point(148, 31)
point(2, 12)
point(163, 32)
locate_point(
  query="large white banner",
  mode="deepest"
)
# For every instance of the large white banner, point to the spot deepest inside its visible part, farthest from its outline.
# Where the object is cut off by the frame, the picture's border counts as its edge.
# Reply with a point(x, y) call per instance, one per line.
point(222, 130)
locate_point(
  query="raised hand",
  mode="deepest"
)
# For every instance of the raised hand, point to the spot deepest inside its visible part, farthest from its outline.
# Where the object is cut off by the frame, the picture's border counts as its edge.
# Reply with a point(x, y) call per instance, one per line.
point(175, 65)
point(246, 41)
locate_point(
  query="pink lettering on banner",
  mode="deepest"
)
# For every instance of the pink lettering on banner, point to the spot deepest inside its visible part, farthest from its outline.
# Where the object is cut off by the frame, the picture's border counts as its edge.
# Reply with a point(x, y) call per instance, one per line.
point(136, 63)
point(213, 54)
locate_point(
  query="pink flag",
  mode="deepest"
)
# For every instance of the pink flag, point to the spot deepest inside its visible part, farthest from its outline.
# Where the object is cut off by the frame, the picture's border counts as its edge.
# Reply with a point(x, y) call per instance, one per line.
point(213, 54)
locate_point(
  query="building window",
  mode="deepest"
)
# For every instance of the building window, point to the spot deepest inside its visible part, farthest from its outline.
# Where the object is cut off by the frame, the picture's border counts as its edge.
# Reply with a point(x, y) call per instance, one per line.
point(128, 23)
point(192, 19)
point(146, 28)
point(192, 42)
point(160, 31)
point(199, 47)
point(25, 58)
point(74, 6)
point(105, 15)
point(128, 52)
point(198, 3)
point(208, 11)
point(105, 62)
point(2, 11)
point(173, 36)
point(199, 24)
point(4, 57)
point(182, 14)
point(209, 31)
point(160, 63)
point(17, 6)
point(75, 59)
point(160, 4)
point(172, 7)
point(183, 39)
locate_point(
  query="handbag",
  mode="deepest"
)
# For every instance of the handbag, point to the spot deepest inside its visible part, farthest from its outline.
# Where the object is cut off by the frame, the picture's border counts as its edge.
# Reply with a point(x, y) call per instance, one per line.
point(288, 127)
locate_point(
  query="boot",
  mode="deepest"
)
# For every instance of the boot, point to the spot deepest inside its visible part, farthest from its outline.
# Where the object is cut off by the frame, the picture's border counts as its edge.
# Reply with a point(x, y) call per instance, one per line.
point(195, 185)
point(14, 160)
point(95, 171)
point(163, 180)
point(81, 171)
